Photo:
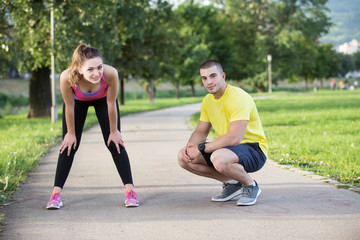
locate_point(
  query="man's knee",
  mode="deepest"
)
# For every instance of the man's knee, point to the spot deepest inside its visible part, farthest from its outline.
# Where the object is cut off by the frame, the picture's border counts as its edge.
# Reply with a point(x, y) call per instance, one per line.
point(181, 160)
point(220, 163)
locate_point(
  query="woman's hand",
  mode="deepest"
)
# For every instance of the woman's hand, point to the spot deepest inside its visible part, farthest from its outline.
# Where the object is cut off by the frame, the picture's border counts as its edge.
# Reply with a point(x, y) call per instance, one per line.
point(116, 138)
point(68, 142)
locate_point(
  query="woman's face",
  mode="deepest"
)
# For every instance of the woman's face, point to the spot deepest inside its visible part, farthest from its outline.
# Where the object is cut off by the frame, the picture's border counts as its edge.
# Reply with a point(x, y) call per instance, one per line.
point(92, 70)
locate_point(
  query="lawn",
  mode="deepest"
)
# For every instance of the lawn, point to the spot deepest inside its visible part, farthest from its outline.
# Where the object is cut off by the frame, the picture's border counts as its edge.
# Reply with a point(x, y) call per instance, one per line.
point(318, 132)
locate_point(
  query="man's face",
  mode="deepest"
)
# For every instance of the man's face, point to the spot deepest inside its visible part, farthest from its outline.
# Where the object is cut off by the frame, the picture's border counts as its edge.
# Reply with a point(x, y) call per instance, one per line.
point(213, 81)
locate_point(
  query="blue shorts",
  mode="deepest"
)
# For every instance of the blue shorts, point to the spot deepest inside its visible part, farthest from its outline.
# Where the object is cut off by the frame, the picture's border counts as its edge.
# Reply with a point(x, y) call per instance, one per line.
point(250, 156)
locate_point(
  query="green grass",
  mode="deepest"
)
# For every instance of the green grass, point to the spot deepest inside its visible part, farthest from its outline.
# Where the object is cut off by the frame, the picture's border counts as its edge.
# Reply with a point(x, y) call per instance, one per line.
point(24, 141)
point(317, 132)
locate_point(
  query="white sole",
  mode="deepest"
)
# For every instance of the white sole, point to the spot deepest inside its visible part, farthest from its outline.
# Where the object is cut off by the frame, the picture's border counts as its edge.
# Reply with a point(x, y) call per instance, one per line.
point(132, 205)
point(235, 194)
point(250, 203)
point(54, 208)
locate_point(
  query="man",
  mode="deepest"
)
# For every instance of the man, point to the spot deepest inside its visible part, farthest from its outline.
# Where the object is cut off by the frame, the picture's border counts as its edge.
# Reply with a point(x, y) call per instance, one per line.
point(241, 146)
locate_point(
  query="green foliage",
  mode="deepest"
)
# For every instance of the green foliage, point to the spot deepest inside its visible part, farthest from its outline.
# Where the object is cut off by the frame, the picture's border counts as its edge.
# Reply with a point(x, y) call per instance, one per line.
point(15, 101)
point(293, 28)
point(258, 82)
point(346, 62)
point(32, 34)
point(152, 41)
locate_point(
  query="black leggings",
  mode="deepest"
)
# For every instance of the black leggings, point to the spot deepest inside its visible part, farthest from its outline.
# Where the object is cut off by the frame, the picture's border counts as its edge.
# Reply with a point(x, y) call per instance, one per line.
point(65, 162)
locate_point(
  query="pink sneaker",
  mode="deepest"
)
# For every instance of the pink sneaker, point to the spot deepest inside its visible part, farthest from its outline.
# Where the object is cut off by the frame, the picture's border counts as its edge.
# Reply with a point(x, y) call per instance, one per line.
point(131, 199)
point(55, 202)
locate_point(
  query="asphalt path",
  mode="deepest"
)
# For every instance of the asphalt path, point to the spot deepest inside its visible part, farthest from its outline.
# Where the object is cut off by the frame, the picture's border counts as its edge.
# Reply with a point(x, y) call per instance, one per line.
point(174, 204)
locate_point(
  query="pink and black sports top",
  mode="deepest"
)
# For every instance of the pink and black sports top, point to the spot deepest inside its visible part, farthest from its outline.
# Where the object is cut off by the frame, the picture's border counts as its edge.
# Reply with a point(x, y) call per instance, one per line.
point(84, 96)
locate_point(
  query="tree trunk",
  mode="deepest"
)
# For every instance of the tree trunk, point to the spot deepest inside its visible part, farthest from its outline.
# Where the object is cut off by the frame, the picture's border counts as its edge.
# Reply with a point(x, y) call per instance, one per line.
point(152, 85)
point(306, 85)
point(260, 89)
point(151, 90)
point(122, 91)
point(40, 93)
point(177, 90)
point(192, 90)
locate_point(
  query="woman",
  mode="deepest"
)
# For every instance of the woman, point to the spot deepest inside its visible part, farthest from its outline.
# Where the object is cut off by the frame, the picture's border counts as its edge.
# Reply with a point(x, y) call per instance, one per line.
point(90, 82)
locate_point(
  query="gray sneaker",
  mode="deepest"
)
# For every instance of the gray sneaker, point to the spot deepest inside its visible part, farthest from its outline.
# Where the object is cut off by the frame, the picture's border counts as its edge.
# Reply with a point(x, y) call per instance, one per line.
point(229, 191)
point(249, 195)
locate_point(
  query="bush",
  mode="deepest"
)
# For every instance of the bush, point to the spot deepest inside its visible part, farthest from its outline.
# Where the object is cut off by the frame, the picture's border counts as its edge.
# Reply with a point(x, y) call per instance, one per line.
point(15, 101)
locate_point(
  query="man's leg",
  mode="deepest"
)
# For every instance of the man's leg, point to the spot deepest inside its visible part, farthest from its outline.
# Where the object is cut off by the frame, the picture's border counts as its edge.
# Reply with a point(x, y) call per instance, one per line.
point(226, 162)
point(199, 167)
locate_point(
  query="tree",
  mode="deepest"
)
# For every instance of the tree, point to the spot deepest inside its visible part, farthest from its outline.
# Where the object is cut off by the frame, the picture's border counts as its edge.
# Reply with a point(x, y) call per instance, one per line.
point(327, 62)
point(155, 45)
point(346, 63)
point(5, 36)
point(130, 22)
point(307, 53)
point(193, 27)
point(356, 60)
point(291, 30)
point(32, 33)
point(75, 24)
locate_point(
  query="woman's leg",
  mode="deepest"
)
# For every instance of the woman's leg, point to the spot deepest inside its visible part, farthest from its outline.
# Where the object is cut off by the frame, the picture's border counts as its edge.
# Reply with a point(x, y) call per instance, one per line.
point(64, 161)
point(121, 159)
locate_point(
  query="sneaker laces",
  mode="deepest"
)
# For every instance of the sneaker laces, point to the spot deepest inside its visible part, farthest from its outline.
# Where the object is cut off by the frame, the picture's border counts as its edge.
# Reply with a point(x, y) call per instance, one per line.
point(55, 197)
point(226, 184)
point(246, 191)
point(130, 194)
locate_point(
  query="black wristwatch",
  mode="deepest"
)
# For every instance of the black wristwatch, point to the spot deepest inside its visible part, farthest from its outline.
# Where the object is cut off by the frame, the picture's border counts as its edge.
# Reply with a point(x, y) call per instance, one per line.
point(201, 148)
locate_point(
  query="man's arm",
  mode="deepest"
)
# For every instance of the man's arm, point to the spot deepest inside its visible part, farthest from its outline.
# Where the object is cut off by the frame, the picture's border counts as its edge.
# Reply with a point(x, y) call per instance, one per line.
point(190, 151)
point(232, 138)
point(200, 133)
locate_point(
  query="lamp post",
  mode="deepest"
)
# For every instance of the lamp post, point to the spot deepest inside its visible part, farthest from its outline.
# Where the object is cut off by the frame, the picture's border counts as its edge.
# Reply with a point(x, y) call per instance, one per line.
point(269, 58)
point(54, 115)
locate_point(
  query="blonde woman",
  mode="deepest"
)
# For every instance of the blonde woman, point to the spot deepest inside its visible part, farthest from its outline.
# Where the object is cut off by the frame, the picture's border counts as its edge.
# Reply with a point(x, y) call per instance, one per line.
point(90, 82)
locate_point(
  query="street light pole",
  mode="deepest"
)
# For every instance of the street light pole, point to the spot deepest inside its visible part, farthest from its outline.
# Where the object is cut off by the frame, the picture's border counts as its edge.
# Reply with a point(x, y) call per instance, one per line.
point(54, 115)
point(269, 58)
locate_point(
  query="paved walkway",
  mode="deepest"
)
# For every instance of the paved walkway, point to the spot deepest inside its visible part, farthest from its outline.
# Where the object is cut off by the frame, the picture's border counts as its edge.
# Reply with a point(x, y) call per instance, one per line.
point(174, 203)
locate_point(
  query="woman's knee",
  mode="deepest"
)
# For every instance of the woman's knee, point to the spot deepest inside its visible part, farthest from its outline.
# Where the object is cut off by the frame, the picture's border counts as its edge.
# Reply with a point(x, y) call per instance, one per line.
point(112, 148)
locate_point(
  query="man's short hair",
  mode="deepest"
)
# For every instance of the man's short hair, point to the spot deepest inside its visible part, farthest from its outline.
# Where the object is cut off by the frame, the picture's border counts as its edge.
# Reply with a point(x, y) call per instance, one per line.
point(210, 63)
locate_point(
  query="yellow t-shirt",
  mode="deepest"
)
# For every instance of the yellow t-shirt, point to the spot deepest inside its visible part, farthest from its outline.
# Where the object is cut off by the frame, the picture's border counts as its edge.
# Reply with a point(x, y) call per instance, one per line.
point(235, 104)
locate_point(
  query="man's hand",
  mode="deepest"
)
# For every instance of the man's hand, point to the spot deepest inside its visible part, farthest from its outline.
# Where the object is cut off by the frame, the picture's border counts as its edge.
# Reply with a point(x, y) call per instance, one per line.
point(193, 151)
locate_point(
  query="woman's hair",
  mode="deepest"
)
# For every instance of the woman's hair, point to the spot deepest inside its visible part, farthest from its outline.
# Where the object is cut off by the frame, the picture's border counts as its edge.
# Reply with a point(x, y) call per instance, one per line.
point(82, 53)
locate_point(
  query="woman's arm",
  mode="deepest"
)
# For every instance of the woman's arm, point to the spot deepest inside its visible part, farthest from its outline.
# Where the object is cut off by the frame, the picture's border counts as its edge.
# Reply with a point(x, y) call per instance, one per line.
point(67, 94)
point(112, 80)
